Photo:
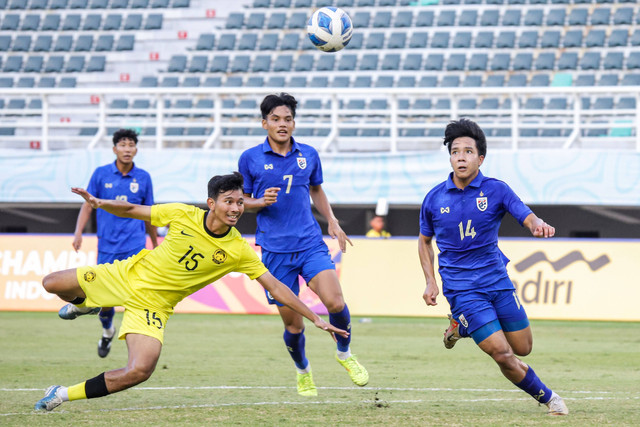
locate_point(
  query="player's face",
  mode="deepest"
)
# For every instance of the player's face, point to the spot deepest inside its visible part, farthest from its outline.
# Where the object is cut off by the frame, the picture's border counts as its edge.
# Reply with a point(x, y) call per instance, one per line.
point(464, 159)
point(228, 207)
point(125, 150)
point(279, 125)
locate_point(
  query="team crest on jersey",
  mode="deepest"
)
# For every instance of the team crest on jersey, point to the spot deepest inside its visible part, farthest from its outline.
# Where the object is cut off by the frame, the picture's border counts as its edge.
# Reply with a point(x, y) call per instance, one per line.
point(89, 276)
point(481, 203)
point(134, 186)
point(219, 256)
point(463, 321)
point(302, 162)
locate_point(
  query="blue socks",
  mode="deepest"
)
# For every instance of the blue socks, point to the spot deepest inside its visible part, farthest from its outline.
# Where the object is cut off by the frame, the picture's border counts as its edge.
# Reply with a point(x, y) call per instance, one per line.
point(532, 385)
point(106, 318)
point(295, 346)
point(342, 320)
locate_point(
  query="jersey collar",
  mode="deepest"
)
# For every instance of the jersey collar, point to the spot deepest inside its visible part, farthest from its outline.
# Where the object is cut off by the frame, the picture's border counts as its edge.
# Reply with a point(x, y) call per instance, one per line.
point(475, 183)
point(211, 233)
point(266, 147)
point(114, 169)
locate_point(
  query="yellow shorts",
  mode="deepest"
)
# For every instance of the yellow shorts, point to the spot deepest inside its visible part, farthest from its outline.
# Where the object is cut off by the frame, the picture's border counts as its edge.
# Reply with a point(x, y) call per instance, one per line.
point(107, 285)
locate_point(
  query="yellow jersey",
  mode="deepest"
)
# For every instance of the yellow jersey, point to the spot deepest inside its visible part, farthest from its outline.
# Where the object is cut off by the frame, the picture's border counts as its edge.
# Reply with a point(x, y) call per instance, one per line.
point(189, 258)
point(375, 234)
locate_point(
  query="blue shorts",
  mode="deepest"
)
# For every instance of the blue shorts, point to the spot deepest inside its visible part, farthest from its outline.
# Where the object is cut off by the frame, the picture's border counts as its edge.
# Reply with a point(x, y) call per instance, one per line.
point(484, 312)
point(106, 258)
point(286, 267)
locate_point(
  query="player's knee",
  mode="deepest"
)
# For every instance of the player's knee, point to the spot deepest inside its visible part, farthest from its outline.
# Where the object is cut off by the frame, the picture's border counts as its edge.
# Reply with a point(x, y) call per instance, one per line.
point(335, 306)
point(523, 349)
point(49, 283)
point(139, 374)
point(504, 357)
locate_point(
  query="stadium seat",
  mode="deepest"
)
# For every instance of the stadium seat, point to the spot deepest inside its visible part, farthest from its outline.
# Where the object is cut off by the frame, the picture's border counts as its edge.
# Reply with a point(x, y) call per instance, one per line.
point(533, 17)
point(326, 63)
point(618, 38)
point(304, 63)
point(361, 19)
point(191, 82)
point(397, 41)
point(456, 62)
point(233, 81)
point(63, 43)
point(412, 61)
point(419, 40)
point(227, 42)
point(391, 61)
point(472, 80)
point(613, 61)
point(198, 64)
point(590, 61)
point(30, 23)
point(434, 62)
point(633, 61)
point(545, 61)
point(528, 39)
point(6, 82)
point(10, 22)
point(177, 64)
point(125, 42)
point(603, 103)
point(440, 40)
point(319, 81)
point(276, 21)
point(235, 20)
point(406, 81)
point(13, 64)
point(595, 38)
point(573, 38)
point(104, 43)
point(489, 104)
point(362, 81)
point(119, 4)
point(347, 62)
point(96, 63)
point(75, 64)
point(159, 4)
point(446, 18)
point(462, 39)
point(630, 80)
point(5, 42)
point(33, 64)
point(78, 4)
point(255, 21)
point(468, 104)
point(494, 80)
point(71, 22)
point(635, 38)
point(550, 39)
point(206, 41)
point(21, 44)
point(133, 22)
point(212, 82)
point(586, 80)
point(468, 18)
point(578, 17)
point(38, 4)
point(478, 62)
point(154, 22)
point(424, 18)
point(169, 81)
point(283, 63)
point(568, 61)
point(539, 80)
point(556, 17)
point(282, 3)
point(83, 43)
point(58, 4)
point(297, 20)
point(139, 4)
point(240, 64)
point(382, 19)
point(16, 4)
point(375, 41)
point(608, 80)
point(557, 104)
point(484, 39)
point(248, 41)
point(92, 22)
point(404, 18)
point(626, 103)
point(340, 81)
point(262, 63)
point(428, 81)
point(290, 41)
point(522, 61)
point(511, 17)
point(506, 39)
point(369, 62)
point(149, 81)
point(112, 22)
point(517, 80)
point(601, 16)
point(500, 61)
point(623, 16)
point(384, 81)
point(54, 64)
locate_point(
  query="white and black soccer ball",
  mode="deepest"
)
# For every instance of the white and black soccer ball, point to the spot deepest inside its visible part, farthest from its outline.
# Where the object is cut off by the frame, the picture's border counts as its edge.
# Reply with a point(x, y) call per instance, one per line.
point(330, 29)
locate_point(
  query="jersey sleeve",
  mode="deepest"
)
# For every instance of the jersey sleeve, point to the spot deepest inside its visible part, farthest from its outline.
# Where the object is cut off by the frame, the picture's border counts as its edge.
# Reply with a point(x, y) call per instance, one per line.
point(426, 221)
point(94, 185)
point(514, 205)
point(316, 174)
point(245, 170)
point(250, 263)
point(165, 213)
point(148, 196)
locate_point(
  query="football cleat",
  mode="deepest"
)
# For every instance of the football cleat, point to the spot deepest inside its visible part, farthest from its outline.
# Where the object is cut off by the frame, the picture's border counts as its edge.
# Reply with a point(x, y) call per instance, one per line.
point(357, 372)
point(70, 311)
point(451, 334)
point(306, 386)
point(104, 345)
point(556, 405)
point(50, 400)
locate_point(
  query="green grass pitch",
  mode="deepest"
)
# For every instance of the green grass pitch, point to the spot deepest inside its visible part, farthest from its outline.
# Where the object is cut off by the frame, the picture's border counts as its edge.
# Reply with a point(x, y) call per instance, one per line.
point(234, 370)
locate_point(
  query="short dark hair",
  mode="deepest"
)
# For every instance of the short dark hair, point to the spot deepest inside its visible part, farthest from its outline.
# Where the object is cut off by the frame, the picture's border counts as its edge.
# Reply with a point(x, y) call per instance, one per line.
point(465, 127)
point(222, 183)
point(125, 133)
point(270, 102)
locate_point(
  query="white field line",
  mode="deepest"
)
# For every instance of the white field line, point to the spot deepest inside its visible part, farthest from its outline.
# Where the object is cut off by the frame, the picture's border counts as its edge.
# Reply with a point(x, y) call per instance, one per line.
point(328, 402)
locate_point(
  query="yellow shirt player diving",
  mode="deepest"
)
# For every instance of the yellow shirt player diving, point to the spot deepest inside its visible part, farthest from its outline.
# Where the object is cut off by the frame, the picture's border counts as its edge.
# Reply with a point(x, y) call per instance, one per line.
point(150, 284)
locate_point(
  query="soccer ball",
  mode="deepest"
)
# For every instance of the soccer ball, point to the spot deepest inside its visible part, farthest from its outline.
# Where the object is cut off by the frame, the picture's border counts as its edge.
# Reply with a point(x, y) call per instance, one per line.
point(329, 29)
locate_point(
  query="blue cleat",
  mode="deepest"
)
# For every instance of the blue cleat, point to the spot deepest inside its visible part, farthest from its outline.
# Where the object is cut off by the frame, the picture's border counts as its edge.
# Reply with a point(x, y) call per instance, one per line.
point(50, 400)
point(70, 311)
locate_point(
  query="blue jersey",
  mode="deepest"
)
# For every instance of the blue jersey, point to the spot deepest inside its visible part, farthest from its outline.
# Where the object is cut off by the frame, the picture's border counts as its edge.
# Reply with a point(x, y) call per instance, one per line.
point(116, 234)
point(465, 224)
point(288, 225)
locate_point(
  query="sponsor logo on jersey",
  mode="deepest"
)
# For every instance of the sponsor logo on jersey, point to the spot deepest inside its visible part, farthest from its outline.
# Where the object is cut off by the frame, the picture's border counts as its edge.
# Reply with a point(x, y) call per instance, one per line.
point(302, 162)
point(108, 185)
point(134, 186)
point(182, 232)
point(219, 256)
point(267, 167)
point(444, 210)
point(89, 276)
point(481, 203)
point(463, 321)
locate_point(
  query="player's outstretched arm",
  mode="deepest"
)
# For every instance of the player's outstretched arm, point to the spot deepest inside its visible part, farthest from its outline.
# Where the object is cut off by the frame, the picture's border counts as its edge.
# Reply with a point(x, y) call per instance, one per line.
point(284, 295)
point(425, 252)
point(115, 207)
point(255, 205)
point(538, 227)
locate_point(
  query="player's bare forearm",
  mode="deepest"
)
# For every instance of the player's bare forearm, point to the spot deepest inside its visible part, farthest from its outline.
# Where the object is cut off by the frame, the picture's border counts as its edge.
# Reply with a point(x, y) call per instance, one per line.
point(254, 205)
point(81, 222)
point(427, 257)
point(116, 207)
point(538, 227)
point(321, 202)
